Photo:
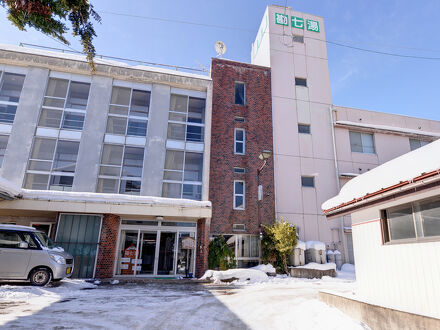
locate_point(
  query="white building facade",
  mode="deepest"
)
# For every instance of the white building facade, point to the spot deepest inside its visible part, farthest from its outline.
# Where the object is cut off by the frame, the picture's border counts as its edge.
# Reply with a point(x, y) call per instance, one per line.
point(130, 142)
point(318, 146)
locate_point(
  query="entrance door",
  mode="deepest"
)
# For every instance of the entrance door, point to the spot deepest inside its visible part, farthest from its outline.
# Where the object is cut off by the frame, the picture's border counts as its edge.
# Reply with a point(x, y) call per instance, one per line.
point(78, 234)
point(166, 265)
point(147, 253)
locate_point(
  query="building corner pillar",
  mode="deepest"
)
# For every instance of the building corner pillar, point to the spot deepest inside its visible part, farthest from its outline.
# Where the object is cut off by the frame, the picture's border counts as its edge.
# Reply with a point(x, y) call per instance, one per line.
point(202, 249)
point(107, 246)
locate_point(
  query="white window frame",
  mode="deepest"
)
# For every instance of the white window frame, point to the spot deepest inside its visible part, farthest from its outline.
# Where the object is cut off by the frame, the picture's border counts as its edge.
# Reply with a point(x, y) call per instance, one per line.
point(183, 181)
point(363, 150)
point(186, 122)
point(129, 115)
point(236, 141)
point(4, 70)
point(121, 177)
point(63, 110)
point(243, 195)
point(51, 172)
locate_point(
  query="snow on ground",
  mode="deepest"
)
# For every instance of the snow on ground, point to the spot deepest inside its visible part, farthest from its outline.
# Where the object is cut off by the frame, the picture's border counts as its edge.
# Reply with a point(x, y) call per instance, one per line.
point(279, 303)
point(315, 265)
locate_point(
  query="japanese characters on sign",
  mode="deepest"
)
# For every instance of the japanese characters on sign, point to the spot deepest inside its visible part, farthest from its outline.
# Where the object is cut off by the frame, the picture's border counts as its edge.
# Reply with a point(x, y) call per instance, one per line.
point(297, 22)
point(281, 19)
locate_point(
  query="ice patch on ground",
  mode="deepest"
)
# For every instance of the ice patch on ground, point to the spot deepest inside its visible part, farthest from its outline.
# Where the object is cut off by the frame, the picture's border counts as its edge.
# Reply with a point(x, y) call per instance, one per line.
point(240, 274)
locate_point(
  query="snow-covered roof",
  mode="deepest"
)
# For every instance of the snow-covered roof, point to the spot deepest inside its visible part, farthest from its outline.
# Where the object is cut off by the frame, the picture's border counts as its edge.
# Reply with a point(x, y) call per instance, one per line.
point(8, 189)
point(387, 128)
point(97, 60)
point(402, 170)
point(54, 195)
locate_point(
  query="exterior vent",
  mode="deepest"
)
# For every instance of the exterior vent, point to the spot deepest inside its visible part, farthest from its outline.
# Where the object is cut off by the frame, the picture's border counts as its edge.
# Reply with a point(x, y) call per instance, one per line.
point(238, 227)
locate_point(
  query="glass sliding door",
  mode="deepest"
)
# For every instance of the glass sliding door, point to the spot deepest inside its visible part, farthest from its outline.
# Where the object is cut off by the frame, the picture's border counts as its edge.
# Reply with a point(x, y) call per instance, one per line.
point(166, 265)
point(128, 252)
point(147, 252)
point(185, 254)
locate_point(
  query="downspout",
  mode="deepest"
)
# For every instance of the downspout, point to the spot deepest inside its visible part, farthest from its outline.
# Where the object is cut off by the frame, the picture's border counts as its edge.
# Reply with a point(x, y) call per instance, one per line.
point(338, 186)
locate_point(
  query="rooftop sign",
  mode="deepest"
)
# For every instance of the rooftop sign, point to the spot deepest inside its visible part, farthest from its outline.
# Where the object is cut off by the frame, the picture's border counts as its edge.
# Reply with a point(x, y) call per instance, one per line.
point(297, 22)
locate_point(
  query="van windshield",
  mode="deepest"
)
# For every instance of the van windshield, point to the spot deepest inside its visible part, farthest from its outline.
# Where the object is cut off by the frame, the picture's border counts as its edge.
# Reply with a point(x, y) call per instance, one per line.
point(44, 240)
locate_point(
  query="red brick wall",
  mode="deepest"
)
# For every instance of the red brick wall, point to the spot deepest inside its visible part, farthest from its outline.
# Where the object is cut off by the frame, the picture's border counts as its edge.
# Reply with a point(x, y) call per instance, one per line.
point(107, 247)
point(202, 247)
point(258, 125)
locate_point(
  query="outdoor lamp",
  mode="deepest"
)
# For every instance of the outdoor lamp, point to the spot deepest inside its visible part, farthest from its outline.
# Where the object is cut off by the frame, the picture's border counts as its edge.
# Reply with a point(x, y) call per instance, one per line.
point(265, 154)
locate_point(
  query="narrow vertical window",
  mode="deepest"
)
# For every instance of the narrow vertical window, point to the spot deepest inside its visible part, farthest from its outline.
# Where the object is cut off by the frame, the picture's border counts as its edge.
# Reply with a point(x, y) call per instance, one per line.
point(240, 93)
point(3, 144)
point(239, 141)
point(239, 195)
point(10, 90)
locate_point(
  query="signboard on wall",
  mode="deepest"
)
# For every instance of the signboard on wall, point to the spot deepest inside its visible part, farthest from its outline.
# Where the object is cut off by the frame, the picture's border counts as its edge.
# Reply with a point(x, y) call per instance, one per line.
point(188, 243)
point(297, 22)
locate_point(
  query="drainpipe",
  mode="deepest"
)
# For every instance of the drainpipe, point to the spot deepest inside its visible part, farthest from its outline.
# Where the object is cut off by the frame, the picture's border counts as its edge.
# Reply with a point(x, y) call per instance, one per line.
point(332, 124)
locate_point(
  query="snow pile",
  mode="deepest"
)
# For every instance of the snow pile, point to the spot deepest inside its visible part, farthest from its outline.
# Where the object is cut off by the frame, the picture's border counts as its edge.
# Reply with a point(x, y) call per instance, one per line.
point(404, 168)
point(241, 275)
point(330, 252)
point(349, 268)
point(265, 268)
point(315, 245)
point(300, 245)
point(314, 265)
point(9, 188)
point(347, 272)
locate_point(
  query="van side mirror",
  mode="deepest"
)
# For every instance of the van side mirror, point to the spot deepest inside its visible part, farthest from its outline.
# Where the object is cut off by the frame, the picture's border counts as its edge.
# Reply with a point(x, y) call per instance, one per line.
point(23, 245)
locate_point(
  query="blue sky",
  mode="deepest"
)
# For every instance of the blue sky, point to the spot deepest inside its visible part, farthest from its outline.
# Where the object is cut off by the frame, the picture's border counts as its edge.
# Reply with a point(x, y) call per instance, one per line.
point(358, 79)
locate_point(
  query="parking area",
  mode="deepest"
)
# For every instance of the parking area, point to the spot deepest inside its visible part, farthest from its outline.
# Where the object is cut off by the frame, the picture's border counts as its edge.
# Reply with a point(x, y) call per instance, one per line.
point(281, 303)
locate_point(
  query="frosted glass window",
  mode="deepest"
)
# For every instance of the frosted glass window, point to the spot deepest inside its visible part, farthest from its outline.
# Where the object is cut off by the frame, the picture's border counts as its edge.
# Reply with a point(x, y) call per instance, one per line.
point(430, 214)
point(3, 144)
point(401, 223)
point(78, 95)
point(362, 142)
point(11, 85)
point(186, 119)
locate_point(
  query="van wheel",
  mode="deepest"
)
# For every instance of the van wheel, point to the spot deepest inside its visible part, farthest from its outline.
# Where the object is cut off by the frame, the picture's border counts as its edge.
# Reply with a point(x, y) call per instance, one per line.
point(40, 277)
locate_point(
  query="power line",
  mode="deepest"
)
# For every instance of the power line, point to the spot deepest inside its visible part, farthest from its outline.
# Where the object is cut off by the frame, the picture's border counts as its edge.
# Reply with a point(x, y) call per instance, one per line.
point(336, 43)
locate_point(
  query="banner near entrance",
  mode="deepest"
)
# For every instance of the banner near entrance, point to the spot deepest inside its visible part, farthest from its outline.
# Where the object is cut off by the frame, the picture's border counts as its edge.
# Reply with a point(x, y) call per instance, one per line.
point(297, 22)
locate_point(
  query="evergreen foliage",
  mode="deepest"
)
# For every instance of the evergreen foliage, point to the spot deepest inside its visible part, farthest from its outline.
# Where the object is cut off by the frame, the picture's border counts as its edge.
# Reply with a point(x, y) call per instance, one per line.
point(49, 17)
point(278, 242)
point(220, 254)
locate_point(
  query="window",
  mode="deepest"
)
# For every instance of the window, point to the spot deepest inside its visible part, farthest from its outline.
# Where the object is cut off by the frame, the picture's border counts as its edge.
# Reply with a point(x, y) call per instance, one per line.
point(415, 144)
point(11, 85)
point(308, 181)
point(128, 112)
point(3, 144)
point(9, 239)
point(239, 170)
point(301, 82)
point(121, 169)
point(304, 128)
point(52, 164)
point(239, 119)
point(239, 141)
point(239, 93)
point(412, 221)
point(183, 175)
point(297, 38)
point(186, 120)
point(65, 104)
point(239, 195)
point(362, 142)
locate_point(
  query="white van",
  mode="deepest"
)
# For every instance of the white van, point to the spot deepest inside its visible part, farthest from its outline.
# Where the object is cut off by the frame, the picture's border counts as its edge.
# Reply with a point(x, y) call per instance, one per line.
point(28, 254)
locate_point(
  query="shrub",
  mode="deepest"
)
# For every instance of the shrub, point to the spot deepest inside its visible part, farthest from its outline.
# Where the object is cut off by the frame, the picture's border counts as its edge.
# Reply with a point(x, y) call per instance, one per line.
point(281, 238)
point(220, 256)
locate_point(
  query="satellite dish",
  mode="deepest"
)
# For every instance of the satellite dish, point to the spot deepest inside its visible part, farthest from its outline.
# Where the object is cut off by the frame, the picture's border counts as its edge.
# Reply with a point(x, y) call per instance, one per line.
point(220, 48)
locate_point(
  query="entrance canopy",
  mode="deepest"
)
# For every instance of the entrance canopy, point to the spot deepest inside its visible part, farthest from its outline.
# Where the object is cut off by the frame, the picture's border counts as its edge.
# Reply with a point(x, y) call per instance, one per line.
point(38, 201)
